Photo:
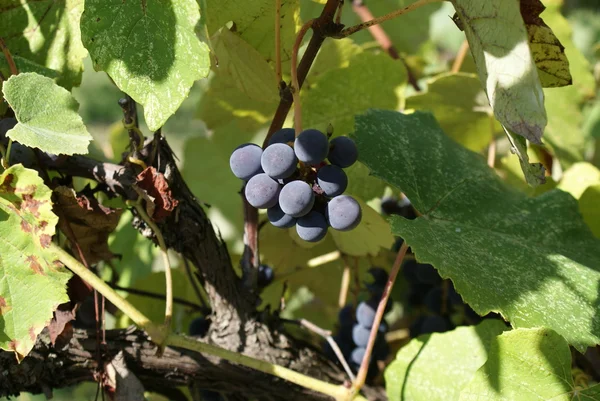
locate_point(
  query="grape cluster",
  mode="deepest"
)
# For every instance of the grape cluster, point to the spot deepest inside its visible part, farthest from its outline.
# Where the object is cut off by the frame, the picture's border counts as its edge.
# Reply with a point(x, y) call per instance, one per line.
point(440, 307)
point(291, 179)
point(355, 328)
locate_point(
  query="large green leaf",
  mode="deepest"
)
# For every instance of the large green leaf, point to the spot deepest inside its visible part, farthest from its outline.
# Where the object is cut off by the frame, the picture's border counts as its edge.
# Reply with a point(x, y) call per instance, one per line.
point(531, 259)
point(527, 364)
point(25, 65)
point(459, 104)
point(32, 282)
point(47, 115)
point(499, 44)
point(436, 367)
point(255, 23)
point(45, 32)
point(588, 206)
point(149, 49)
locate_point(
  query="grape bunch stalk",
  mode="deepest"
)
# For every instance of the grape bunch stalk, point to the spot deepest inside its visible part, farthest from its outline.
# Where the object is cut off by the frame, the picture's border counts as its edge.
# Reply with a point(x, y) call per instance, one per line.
point(291, 179)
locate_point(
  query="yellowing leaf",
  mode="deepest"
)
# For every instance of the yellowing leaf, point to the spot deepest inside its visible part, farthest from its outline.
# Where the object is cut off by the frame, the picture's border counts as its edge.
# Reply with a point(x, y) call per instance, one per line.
point(578, 178)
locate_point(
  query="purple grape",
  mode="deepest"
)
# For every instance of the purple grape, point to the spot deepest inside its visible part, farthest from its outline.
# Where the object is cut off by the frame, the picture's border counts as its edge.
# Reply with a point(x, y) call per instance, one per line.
point(312, 227)
point(311, 146)
point(279, 219)
point(265, 275)
point(278, 161)
point(245, 161)
point(262, 191)
point(360, 335)
point(365, 313)
point(332, 180)
point(296, 198)
point(358, 355)
point(284, 135)
point(343, 152)
point(343, 213)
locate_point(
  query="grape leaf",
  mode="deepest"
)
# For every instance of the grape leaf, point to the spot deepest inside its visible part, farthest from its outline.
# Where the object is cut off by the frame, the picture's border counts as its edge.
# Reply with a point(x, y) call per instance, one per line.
point(526, 364)
point(531, 259)
point(437, 366)
point(150, 50)
point(578, 178)
point(242, 64)
point(588, 206)
point(499, 44)
point(32, 282)
point(45, 32)
point(548, 53)
point(46, 114)
point(25, 65)
point(459, 104)
point(254, 22)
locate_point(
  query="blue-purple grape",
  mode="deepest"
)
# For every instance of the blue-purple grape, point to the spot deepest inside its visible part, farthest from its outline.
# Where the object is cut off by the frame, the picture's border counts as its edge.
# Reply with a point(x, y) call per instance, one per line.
point(332, 180)
point(365, 313)
point(284, 135)
point(199, 326)
point(278, 161)
point(344, 213)
point(279, 219)
point(265, 275)
point(360, 335)
point(245, 161)
point(262, 191)
point(343, 152)
point(358, 355)
point(296, 198)
point(312, 227)
point(311, 146)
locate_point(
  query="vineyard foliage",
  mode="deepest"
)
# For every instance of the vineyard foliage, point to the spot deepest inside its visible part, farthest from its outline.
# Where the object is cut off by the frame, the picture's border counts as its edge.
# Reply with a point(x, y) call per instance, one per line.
point(499, 155)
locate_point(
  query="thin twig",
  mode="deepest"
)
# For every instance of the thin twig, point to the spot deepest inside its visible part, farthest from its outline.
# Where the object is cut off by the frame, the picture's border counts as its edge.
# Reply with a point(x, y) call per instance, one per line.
point(295, 84)
point(278, 41)
point(345, 285)
point(192, 280)
point(158, 296)
point(356, 28)
point(364, 367)
point(378, 33)
point(11, 62)
point(338, 17)
point(460, 56)
point(491, 156)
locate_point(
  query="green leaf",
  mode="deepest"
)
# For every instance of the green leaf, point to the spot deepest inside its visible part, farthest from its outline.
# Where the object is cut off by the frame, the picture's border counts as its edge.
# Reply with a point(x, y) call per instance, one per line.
point(33, 281)
point(47, 115)
point(532, 260)
point(242, 64)
point(499, 44)
point(45, 32)
point(458, 102)
point(437, 366)
point(25, 65)
point(578, 178)
point(333, 54)
point(535, 173)
point(525, 364)
point(372, 234)
point(150, 50)
point(588, 206)
point(548, 53)
point(255, 23)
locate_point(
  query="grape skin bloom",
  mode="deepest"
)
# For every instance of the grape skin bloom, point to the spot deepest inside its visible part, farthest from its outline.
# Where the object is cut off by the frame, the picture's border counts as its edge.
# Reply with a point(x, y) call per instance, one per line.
point(344, 213)
point(262, 191)
point(343, 152)
point(279, 219)
point(284, 135)
point(311, 146)
point(312, 227)
point(332, 180)
point(245, 161)
point(279, 161)
point(296, 198)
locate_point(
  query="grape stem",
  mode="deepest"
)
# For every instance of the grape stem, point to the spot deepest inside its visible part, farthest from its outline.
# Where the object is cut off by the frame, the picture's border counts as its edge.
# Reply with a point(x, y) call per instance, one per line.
point(295, 83)
point(364, 367)
point(161, 335)
point(278, 41)
point(375, 21)
point(460, 57)
point(344, 286)
point(11, 62)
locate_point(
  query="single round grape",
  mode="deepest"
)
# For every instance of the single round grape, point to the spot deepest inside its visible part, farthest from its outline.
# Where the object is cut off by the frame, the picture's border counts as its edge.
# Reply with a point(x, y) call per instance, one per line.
point(296, 198)
point(265, 275)
point(343, 152)
point(311, 146)
point(358, 355)
point(332, 180)
point(284, 135)
point(312, 227)
point(245, 161)
point(360, 335)
point(262, 191)
point(199, 326)
point(390, 206)
point(278, 161)
point(279, 219)
point(365, 313)
point(344, 213)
